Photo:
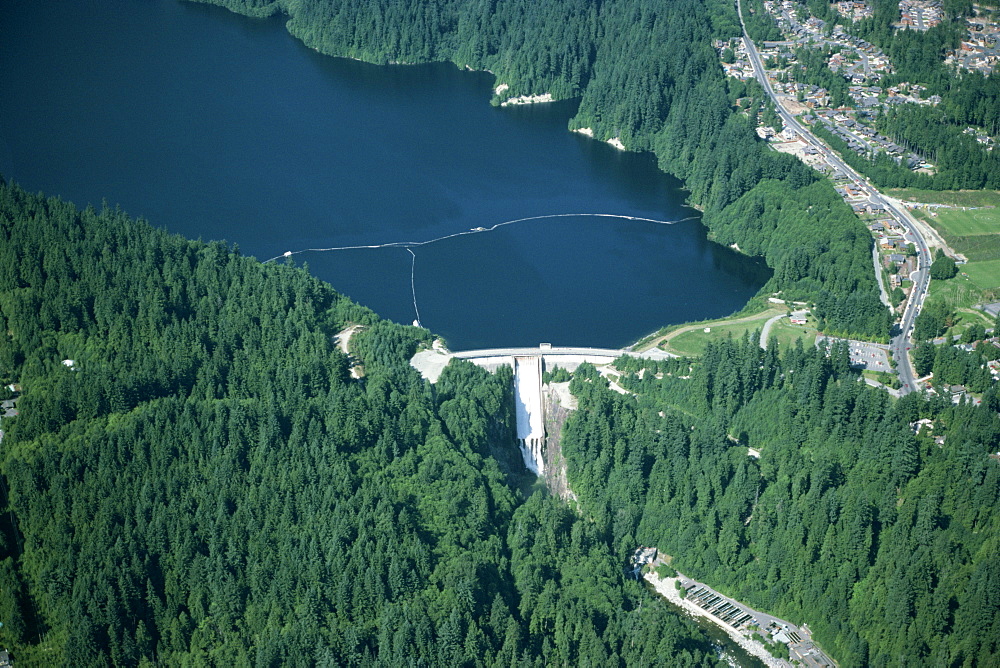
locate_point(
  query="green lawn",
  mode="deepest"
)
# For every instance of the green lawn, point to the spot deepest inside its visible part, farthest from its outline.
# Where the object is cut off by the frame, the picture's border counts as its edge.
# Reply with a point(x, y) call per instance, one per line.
point(787, 333)
point(974, 234)
point(965, 317)
point(978, 247)
point(959, 291)
point(959, 223)
point(692, 343)
point(985, 274)
point(884, 377)
point(952, 197)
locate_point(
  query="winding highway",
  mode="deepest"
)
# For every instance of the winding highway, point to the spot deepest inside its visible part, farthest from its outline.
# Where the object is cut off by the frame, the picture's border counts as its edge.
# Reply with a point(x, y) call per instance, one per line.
point(900, 343)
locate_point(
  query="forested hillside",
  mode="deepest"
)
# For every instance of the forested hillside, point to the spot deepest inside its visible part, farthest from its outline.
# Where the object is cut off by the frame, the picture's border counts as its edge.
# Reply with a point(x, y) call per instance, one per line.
point(194, 477)
point(645, 72)
point(204, 483)
point(884, 540)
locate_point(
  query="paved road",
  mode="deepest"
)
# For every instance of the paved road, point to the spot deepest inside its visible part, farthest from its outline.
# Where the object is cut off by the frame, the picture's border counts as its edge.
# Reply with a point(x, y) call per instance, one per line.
point(766, 331)
point(883, 295)
point(921, 277)
point(431, 363)
point(548, 352)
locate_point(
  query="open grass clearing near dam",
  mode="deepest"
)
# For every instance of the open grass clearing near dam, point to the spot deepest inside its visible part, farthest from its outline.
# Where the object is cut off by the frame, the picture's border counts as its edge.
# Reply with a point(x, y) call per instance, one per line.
point(690, 340)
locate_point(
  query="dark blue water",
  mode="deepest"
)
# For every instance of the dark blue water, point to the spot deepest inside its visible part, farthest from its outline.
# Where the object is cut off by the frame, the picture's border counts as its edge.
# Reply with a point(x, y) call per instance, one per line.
point(221, 127)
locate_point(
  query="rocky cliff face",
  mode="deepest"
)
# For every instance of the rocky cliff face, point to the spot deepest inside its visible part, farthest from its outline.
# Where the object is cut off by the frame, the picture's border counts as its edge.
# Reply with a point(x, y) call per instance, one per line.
point(558, 404)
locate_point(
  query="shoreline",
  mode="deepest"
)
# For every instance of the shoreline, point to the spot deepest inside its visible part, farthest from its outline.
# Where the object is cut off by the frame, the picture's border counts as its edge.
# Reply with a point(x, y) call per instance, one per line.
point(498, 89)
point(667, 588)
point(525, 99)
point(614, 141)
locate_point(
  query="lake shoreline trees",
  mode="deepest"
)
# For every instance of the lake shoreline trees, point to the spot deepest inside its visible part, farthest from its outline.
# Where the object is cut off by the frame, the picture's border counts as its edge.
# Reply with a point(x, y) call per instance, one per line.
point(208, 484)
point(647, 75)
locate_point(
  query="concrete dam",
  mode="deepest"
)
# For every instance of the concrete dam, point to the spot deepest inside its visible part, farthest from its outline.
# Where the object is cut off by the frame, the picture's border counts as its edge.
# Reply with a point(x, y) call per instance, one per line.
point(528, 365)
point(530, 414)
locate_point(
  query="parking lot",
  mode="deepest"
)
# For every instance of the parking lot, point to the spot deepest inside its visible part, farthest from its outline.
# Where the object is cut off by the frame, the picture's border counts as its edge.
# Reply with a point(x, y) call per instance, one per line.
point(864, 355)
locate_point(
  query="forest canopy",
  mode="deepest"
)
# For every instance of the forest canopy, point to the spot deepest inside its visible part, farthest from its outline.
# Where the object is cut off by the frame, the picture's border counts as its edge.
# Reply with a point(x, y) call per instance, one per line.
point(874, 520)
point(205, 483)
point(194, 476)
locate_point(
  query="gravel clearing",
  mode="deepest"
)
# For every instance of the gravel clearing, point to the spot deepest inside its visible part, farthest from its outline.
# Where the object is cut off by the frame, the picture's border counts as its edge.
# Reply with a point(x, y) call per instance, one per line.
point(667, 589)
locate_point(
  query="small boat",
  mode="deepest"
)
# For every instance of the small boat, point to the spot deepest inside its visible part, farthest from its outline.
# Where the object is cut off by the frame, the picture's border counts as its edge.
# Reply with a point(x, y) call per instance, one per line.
point(478, 229)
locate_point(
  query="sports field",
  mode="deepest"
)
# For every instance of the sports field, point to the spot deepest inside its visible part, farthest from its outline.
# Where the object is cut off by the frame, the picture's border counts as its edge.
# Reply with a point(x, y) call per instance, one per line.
point(971, 222)
point(951, 197)
point(985, 274)
point(973, 231)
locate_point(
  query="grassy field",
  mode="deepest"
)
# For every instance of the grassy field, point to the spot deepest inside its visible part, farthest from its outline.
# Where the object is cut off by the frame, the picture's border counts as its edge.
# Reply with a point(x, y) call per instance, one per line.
point(985, 274)
point(962, 223)
point(787, 332)
point(964, 317)
point(692, 340)
point(976, 247)
point(884, 377)
point(960, 291)
point(975, 233)
point(952, 197)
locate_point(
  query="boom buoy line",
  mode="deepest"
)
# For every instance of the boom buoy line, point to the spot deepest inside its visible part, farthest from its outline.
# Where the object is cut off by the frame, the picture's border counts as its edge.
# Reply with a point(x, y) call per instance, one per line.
point(409, 245)
point(477, 230)
point(413, 285)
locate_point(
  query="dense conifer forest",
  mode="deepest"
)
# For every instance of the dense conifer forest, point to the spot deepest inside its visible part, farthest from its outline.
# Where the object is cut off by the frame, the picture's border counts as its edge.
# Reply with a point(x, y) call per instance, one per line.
point(645, 72)
point(883, 539)
point(206, 484)
point(195, 476)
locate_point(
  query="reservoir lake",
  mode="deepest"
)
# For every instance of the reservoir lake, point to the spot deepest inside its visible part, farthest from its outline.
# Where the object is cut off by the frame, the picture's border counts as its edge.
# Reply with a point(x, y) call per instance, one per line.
point(215, 126)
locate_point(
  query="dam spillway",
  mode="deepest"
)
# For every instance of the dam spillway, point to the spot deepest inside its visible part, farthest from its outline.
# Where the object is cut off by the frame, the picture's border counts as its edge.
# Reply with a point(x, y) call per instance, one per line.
point(527, 364)
point(528, 404)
